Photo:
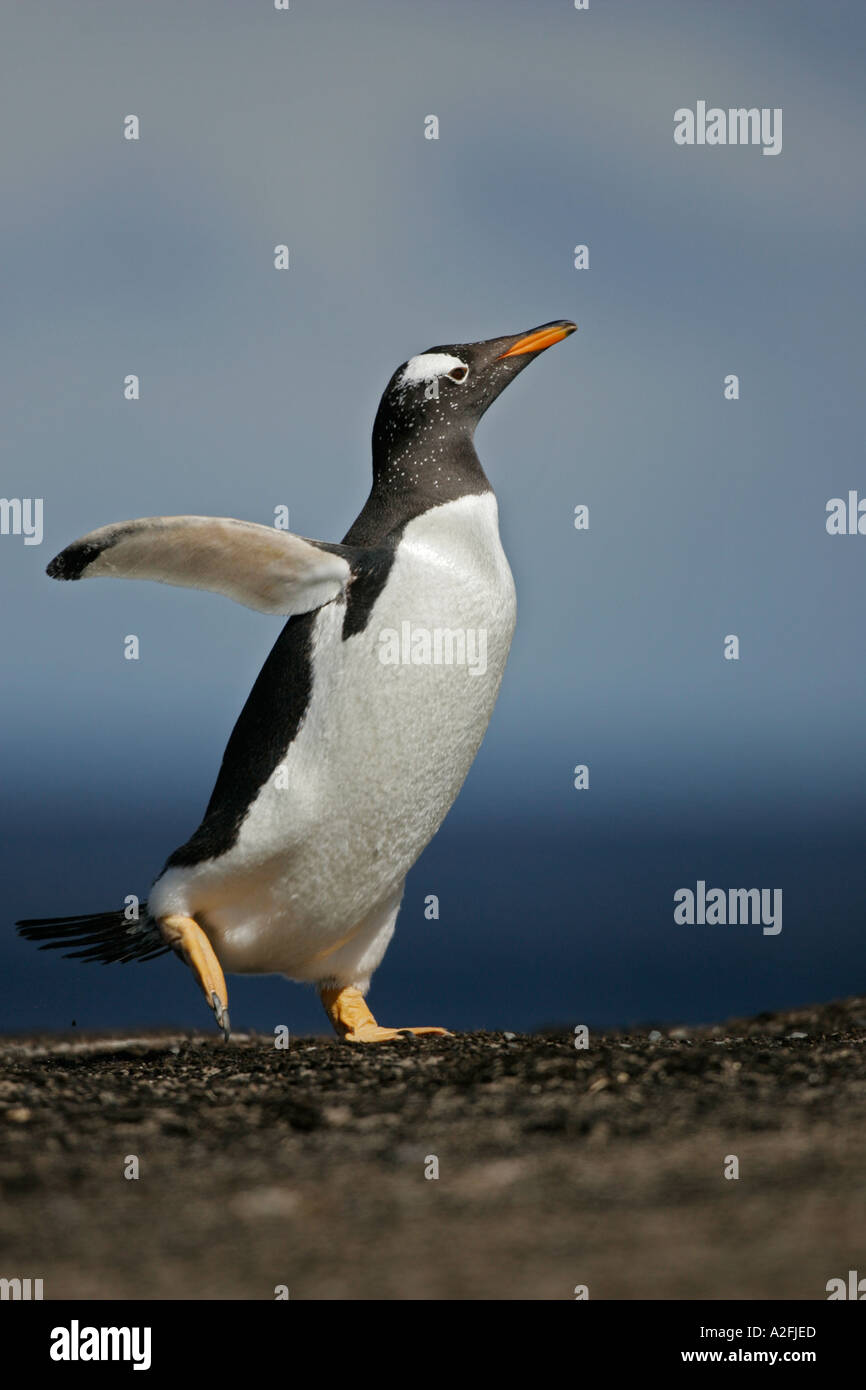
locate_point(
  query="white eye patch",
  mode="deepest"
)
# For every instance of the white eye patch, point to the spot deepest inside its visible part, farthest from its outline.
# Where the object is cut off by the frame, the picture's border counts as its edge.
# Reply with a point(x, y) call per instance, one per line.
point(429, 366)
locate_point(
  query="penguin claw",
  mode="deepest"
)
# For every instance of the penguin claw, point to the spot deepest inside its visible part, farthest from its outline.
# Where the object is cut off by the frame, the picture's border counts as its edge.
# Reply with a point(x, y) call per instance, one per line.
point(221, 1014)
point(374, 1033)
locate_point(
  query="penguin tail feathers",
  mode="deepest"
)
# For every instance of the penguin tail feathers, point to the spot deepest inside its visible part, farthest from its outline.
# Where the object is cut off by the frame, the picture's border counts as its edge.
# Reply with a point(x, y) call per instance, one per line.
point(102, 936)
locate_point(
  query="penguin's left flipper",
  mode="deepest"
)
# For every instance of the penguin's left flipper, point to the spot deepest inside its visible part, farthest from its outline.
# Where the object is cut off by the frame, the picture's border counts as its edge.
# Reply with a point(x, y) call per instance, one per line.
point(263, 568)
point(185, 936)
point(347, 1009)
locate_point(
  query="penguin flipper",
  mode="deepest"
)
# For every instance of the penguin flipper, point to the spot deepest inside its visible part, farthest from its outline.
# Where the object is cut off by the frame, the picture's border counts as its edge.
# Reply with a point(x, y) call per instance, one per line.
point(258, 566)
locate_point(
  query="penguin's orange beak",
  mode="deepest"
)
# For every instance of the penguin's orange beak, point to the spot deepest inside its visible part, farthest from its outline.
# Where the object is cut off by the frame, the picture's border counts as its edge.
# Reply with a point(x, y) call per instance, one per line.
point(540, 338)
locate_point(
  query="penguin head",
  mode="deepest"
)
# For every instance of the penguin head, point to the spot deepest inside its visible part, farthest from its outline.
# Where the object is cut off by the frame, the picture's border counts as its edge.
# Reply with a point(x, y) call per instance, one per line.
point(442, 393)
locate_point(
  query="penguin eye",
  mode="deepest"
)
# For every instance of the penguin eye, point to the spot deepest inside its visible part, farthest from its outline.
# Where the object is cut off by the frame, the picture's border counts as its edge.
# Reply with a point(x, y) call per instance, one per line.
point(459, 374)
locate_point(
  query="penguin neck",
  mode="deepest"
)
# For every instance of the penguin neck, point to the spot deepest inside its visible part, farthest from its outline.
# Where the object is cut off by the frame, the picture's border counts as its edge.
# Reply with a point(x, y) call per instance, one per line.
point(411, 477)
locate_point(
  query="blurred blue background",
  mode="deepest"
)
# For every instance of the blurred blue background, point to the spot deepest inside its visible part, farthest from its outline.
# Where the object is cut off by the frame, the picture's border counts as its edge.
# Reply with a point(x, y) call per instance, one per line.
point(259, 389)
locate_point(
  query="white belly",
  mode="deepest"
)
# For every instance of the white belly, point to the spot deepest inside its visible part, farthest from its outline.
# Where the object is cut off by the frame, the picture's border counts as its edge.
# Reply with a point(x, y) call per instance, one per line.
point(395, 720)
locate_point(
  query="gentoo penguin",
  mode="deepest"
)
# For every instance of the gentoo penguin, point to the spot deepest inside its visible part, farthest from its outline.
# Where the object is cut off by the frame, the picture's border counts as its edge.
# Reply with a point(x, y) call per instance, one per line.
point(366, 716)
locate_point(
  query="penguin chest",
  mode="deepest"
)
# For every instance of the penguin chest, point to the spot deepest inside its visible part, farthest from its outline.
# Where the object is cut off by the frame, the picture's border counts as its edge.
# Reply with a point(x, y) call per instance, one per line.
point(397, 710)
point(432, 657)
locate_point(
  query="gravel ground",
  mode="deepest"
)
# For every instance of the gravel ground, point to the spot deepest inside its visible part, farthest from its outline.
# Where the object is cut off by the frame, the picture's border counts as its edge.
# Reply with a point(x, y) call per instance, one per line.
point(556, 1167)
